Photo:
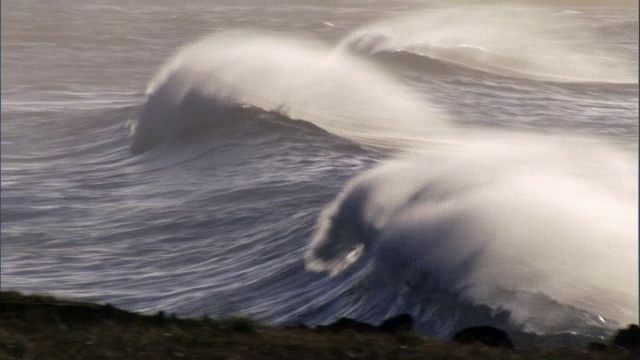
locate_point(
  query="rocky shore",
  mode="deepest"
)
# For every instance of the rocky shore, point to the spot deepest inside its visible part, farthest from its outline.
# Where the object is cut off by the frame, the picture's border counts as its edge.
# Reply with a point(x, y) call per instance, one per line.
point(42, 327)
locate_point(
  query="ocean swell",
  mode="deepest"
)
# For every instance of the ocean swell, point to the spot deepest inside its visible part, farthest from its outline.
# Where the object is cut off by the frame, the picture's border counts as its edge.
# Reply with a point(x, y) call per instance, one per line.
point(302, 79)
point(500, 40)
point(498, 220)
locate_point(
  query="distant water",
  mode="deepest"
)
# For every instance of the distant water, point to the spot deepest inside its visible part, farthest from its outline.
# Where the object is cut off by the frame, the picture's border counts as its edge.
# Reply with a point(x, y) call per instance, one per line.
point(465, 164)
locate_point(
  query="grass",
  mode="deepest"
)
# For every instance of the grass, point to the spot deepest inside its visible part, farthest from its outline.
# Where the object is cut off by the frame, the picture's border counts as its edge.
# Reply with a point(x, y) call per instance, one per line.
point(41, 327)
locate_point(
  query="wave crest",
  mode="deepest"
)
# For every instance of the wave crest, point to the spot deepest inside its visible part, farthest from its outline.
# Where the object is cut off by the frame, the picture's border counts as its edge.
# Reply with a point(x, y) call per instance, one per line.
point(495, 220)
point(306, 80)
point(500, 40)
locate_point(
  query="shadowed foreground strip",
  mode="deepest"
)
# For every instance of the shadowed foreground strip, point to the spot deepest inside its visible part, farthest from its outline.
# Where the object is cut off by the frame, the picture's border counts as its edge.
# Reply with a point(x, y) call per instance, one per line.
point(47, 328)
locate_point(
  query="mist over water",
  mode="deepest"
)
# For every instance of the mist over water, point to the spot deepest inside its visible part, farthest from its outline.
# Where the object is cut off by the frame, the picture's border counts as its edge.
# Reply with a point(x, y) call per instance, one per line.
point(300, 78)
point(466, 164)
point(538, 43)
point(496, 216)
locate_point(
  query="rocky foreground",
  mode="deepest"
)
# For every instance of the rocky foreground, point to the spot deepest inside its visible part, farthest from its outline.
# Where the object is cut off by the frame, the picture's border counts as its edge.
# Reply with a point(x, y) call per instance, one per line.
point(41, 327)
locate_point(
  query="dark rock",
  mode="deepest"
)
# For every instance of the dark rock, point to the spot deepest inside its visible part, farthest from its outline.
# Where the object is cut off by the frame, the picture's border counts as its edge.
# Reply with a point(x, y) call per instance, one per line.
point(397, 324)
point(348, 324)
point(296, 327)
point(628, 338)
point(597, 346)
point(487, 335)
point(394, 325)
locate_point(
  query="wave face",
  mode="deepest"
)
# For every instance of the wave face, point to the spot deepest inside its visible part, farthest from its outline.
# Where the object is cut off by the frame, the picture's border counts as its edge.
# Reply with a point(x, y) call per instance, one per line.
point(498, 221)
point(541, 44)
point(302, 79)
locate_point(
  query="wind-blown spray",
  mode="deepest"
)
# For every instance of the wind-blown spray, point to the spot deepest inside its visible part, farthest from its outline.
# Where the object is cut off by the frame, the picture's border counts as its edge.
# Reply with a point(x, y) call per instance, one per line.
point(498, 218)
point(305, 80)
point(529, 43)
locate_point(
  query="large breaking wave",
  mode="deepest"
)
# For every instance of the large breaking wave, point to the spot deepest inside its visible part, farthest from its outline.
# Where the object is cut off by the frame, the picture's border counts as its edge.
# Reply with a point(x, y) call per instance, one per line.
point(499, 219)
point(303, 79)
point(467, 221)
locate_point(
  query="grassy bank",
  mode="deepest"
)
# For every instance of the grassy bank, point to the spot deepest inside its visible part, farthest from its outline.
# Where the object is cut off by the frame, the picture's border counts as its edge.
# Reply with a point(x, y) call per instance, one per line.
point(40, 327)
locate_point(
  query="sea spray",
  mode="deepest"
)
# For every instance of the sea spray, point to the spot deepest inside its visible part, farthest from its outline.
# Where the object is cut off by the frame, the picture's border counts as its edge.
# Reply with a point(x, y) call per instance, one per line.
point(499, 218)
point(527, 43)
point(303, 79)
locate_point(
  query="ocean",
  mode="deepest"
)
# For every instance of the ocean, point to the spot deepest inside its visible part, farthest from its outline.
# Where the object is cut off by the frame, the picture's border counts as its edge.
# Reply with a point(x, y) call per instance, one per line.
point(465, 162)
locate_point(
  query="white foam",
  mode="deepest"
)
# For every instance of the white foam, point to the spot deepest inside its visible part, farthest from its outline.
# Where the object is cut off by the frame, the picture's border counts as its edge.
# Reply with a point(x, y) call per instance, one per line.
point(501, 40)
point(530, 214)
point(304, 79)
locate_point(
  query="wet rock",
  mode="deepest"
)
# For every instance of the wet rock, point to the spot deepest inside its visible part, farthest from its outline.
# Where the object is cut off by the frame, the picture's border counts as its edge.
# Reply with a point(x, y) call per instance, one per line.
point(393, 325)
point(628, 338)
point(596, 346)
point(348, 324)
point(300, 326)
point(397, 324)
point(487, 335)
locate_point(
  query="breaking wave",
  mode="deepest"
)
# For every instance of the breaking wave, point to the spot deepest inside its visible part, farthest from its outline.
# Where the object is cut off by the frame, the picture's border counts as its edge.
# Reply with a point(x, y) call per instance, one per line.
point(504, 41)
point(302, 79)
point(498, 220)
point(465, 226)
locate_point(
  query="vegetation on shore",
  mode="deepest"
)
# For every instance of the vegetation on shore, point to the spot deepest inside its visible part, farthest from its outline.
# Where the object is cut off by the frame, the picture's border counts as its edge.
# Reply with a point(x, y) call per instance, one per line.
point(42, 327)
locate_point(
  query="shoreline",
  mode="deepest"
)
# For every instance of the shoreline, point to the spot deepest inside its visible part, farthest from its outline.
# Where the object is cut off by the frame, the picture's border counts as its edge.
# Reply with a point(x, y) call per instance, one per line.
point(45, 327)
